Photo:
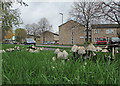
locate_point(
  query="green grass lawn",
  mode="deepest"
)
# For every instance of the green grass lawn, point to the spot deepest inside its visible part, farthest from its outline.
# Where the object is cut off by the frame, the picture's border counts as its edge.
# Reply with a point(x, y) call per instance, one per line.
point(23, 67)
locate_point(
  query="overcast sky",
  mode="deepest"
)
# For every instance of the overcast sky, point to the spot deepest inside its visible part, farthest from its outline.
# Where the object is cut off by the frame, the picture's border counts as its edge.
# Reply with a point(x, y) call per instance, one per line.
point(37, 10)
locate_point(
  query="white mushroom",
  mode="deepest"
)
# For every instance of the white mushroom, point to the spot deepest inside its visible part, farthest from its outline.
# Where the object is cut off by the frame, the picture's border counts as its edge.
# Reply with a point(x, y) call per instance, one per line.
point(74, 48)
point(99, 49)
point(36, 51)
point(56, 51)
point(106, 47)
point(53, 59)
point(65, 54)
point(41, 49)
point(91, 47)
point(31, 50)
point(33, 46)
point(60, 55)
point(81, 50)
point(105, 50)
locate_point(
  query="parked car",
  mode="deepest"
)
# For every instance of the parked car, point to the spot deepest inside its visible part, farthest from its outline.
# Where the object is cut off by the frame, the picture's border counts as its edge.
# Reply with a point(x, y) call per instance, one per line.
point(114, 40)
point(29, 41)
point(46, 43)
point(101, 40)
point(53, 42)
point(57, 42)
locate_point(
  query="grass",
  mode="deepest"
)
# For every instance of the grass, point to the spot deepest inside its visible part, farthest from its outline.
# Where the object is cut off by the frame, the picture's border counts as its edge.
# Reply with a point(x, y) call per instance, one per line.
point(22, 67)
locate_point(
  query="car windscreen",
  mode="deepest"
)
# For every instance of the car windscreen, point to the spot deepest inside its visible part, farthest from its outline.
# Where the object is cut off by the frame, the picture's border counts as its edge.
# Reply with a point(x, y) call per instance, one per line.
point(29, 39)
point(115, 38)
point(102, 39)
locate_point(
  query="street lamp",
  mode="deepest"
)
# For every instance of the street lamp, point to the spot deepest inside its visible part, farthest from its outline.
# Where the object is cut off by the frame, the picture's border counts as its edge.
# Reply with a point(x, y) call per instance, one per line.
point(62, 17)
point(62, 23)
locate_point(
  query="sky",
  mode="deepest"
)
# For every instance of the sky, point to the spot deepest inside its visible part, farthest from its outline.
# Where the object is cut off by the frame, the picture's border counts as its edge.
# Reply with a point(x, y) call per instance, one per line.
point(37, 10)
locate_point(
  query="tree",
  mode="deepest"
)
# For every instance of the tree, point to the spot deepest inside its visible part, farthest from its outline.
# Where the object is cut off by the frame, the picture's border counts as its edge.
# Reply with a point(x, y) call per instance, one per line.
point(20, 35)
point(111, 11)
point(28, 28)
point(86, 13)
point(44, 25)
point(35, 30)
point(9, 34)
point(10, 17)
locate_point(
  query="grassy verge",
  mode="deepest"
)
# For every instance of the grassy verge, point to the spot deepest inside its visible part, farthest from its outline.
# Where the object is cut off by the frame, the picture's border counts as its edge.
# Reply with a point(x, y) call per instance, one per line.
point(22, 67)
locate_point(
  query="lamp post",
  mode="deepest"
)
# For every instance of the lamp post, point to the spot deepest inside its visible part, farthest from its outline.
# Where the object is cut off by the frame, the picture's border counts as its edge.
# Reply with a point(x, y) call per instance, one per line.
point(62, 24)
point(62, 17)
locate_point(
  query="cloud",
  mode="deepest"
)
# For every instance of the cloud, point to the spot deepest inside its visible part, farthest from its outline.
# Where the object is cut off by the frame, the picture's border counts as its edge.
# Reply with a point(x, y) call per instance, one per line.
point(37, 10)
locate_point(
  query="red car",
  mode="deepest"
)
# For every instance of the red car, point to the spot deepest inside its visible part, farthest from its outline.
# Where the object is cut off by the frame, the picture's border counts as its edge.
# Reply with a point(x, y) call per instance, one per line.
point(57, 42)
point(101, 40)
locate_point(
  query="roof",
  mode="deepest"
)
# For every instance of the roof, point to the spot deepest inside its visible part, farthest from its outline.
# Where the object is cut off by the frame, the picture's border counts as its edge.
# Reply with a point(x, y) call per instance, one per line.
point(52, 33)
point(69, 21)
point(96, 26)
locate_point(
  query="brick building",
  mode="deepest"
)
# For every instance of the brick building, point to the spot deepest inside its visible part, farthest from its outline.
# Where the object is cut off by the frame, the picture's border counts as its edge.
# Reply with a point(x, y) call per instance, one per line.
point(48, 37)
point(104, 30)
point(71, 32)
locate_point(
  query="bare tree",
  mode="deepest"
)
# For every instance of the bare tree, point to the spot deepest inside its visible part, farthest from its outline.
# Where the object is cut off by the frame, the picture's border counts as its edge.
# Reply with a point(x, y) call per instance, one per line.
point(34, 29)
point(111, 11)
point(44, 25)
point(28, 28)
point(86, 13)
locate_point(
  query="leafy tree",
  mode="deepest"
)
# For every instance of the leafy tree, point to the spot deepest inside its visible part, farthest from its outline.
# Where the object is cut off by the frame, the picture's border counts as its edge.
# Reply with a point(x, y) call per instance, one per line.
point(9, 17)
point(9, 34)
point(20, 35)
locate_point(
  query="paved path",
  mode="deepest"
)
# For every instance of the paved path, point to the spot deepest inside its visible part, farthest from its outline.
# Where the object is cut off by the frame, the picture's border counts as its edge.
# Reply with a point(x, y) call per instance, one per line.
point(53, 46)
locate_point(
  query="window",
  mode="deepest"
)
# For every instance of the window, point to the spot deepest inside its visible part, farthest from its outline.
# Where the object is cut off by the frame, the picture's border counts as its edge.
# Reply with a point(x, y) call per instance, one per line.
point(96, 31)
point(109, 31)
point(95, 39)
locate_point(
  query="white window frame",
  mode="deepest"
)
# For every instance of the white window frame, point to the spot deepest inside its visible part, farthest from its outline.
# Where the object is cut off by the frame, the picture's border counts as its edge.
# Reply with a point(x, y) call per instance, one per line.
point(96, 31)
point(110, 31)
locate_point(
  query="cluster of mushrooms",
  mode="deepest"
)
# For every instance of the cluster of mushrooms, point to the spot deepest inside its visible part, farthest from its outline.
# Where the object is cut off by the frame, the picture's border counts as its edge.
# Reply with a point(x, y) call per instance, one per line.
point(86, 52)
point(31, 49)
point(60, 55)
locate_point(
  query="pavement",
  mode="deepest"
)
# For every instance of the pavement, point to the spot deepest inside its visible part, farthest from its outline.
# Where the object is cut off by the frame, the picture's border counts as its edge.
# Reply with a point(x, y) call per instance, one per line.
point(53, 46)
